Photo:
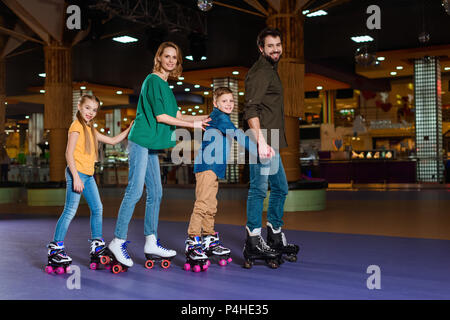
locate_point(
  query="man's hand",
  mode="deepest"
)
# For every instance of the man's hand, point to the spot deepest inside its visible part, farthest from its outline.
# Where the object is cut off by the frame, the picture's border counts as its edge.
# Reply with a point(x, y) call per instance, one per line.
point(265, 151)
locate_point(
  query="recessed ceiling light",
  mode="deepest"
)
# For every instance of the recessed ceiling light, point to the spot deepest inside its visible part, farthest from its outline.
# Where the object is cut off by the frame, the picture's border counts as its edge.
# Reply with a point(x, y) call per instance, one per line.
point(317, 13)
point(191, 58)
point(83, 87)
point(381, 58)
point(206, 93)
point(393, 73)
point(362, 39)
point(197, 107)
point(241, 93)
point(119, 92)
point(189, 110)
point(200, 111)
point(179, 83)
point(203, 58)
point(235, 72)
point(319, 87)
point(183, 112)
point(197, 86)
point(180, 78)
point(399, 68)
point(171, 87)
point(447, 68)
point(193, 113)
point(42, 91)
point(125, 39)
point(187, 89)
point(42, 75)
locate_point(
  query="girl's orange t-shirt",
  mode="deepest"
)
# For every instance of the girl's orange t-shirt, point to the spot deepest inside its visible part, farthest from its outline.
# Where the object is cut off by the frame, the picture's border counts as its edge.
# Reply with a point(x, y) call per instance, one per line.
point(84, 162)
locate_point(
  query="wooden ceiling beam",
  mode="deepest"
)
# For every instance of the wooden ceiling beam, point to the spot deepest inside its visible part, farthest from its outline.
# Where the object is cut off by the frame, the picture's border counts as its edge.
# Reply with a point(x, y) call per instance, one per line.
point(258, 6)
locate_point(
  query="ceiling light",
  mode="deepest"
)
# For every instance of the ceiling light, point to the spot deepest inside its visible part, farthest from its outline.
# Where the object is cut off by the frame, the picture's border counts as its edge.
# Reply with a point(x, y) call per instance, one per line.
point(119, 92)
point(42, 75)
point(189, 110)
point(381, 58)
point(83, 88)
point(27, 117)
point(206, 93)
point(193, 113)
point(179, 83)
point(317, 13)
point(197, 107)
point(183, 112)
point(393, 73)
point(190, 58)
point(171, 87)
point(180, 78)
point(200, 111)
point(235, 72)
point(42, 91)
point(187, 89)
point(203, 58)
point(447, 68)
point(125, 39)
point(399, 68)
point(319, 87)
point(241, 93)
point(362, 39)
point(197, 86)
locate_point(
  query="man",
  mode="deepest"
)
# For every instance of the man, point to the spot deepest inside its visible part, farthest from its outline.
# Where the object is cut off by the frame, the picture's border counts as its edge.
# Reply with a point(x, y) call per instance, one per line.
point(264, 112)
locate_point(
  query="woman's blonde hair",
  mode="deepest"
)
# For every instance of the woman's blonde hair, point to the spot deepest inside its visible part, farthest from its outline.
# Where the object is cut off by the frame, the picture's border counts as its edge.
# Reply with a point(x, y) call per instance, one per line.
point(157, 64)
point(87, 144)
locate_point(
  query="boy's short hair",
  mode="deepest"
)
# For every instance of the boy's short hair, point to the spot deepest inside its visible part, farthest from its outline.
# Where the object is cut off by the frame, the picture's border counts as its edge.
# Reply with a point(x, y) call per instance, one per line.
point(268, 31)
point(221, 91)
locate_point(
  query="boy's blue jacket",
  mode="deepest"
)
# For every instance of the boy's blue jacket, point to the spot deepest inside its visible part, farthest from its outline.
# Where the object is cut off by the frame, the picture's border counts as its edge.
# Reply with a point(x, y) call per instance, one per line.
point(213, 154)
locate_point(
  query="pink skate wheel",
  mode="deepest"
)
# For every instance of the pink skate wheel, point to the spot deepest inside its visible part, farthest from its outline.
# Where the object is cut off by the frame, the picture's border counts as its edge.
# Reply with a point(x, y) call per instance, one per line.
point(67, 269)
point(196, 268)
point(93, 266)
point(229, 260)
point(208, 263)
point(187, 267)
point(49, 269)
point(59, 270)
point(223, 262)
point(205, 267)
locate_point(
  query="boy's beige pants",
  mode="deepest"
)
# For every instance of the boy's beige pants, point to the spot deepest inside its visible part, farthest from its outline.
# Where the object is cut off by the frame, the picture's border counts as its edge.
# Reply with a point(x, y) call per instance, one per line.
point(205, 207)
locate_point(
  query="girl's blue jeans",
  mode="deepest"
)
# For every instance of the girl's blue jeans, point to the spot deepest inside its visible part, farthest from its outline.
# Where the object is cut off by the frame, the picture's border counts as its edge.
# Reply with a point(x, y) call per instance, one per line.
point(92, 196)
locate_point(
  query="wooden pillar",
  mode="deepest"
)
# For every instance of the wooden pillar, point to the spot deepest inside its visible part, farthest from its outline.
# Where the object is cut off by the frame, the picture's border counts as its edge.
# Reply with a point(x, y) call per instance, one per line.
point(2, 87)
point(291, 69)
point(58, 104)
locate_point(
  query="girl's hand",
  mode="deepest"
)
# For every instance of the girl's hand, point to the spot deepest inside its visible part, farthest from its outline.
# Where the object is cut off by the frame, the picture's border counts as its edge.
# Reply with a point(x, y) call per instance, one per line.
point(78, 185)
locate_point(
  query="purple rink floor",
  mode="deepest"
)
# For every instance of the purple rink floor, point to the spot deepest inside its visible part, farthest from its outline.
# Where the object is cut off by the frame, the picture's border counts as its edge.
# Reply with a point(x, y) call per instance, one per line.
point(330, 266)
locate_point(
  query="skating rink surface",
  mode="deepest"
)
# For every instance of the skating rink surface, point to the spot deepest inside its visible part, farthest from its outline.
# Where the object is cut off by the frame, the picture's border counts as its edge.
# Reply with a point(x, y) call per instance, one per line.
point(330, 266)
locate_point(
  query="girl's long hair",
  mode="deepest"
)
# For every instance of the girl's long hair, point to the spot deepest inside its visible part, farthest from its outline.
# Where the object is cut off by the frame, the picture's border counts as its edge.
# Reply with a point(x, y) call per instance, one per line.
point(157, 65)
point(87, 143)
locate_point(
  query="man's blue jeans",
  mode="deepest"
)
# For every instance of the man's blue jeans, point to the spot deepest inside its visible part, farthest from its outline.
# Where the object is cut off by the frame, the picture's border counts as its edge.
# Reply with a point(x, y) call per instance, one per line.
point(90, 193)
point(262, 174)
point(143, 169)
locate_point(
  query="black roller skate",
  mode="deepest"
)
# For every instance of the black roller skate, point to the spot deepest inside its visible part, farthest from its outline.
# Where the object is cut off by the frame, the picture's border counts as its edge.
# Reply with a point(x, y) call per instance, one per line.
point(196, 259)
point(98, 250)
point(277, 241)
point(58, 260)
point(116, 256)
point(213, 248)
point(255, 248)
point(155, 252)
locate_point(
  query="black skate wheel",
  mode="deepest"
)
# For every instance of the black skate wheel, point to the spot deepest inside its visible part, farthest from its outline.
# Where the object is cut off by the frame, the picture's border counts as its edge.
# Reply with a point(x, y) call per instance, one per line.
point(272, 264)
point(291, 258)
point(149, 264)
point(248, 264)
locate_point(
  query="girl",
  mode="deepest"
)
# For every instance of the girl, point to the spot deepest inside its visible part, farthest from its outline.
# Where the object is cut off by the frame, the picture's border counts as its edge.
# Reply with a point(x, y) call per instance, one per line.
point(81, 155)
point(156, 118)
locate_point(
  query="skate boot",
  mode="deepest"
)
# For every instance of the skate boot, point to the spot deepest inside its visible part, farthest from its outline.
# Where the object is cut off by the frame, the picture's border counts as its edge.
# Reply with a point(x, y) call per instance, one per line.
point(116, 255)
point(196, 259)
point(155, 252)
point(98, 250)
point(213, 248)
point(255, 248)
point(58, 260)
point(277, 241)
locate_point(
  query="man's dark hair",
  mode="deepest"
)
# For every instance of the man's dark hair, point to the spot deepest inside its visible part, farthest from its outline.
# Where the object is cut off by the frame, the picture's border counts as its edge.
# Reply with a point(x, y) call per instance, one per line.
point(268, 31)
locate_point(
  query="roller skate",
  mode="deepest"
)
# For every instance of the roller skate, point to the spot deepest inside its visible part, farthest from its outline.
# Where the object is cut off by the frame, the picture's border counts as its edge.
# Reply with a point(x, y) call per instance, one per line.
point(277, 241)
point(154, 252)
point(98, 250)
point(58, 260)
point(196, 259)
point(255, 248)
point(213, 248)
point(116, 256)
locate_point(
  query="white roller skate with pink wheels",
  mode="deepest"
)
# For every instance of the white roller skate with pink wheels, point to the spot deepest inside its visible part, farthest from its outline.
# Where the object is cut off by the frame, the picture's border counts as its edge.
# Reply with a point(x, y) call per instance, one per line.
point(214, 249)
point(196, 259)
point(58, 260)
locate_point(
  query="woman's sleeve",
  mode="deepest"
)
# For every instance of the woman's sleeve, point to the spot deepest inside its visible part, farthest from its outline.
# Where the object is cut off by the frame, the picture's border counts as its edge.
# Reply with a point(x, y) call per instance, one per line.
point(155, 98)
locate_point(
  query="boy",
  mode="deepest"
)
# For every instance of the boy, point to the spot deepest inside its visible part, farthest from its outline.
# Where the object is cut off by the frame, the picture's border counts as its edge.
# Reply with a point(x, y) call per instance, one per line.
point(210, 164)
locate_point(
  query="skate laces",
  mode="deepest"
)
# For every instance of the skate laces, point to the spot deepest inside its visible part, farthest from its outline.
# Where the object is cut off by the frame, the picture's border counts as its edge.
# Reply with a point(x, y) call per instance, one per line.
point(264, 244)
point(158, 244)
point(124, 246)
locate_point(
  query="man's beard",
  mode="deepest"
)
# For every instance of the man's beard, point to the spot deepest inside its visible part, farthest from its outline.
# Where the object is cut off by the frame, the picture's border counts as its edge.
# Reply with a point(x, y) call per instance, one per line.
point(269, 58)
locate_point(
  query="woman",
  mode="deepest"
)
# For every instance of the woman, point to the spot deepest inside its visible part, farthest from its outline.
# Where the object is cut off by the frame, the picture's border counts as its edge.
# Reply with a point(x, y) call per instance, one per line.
point(156, 119)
